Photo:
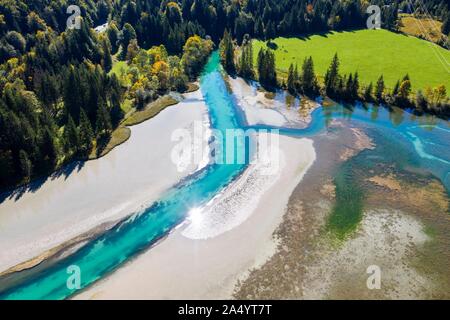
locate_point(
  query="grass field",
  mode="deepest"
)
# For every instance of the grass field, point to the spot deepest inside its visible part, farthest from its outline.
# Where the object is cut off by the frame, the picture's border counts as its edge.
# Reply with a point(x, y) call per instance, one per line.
point(371, 53)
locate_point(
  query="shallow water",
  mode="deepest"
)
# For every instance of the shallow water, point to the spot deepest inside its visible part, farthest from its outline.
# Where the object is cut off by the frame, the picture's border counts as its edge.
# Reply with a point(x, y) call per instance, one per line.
point(427, 138)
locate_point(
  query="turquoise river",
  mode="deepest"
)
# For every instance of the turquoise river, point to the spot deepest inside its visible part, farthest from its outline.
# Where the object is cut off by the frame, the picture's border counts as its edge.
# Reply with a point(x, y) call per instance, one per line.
point(427, 137)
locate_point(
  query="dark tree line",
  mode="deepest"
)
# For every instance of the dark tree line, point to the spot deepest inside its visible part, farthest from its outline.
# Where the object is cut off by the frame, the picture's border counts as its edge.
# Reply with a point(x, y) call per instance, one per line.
point(57, 98)
point(303, 81)
point(347, 88)
point(267, 74)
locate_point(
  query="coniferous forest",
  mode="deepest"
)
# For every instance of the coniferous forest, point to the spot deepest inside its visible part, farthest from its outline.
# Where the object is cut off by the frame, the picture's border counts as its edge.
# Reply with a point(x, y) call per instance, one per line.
point(59, 98)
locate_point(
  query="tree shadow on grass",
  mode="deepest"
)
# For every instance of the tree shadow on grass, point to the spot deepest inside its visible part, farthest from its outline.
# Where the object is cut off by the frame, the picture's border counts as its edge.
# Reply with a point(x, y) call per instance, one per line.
point(323, 34)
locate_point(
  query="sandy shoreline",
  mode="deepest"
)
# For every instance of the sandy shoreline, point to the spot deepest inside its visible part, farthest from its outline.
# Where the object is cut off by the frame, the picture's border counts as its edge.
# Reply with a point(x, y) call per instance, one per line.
point(101, 191)
point(208, 254)
point(188, 266)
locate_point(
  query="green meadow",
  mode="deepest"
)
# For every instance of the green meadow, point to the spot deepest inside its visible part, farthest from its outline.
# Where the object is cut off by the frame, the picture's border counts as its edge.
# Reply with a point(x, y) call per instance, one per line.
point(371, 53)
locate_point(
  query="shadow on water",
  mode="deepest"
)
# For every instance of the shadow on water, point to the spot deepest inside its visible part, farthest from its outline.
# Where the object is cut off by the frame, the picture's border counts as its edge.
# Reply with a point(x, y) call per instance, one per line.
point(32, 187)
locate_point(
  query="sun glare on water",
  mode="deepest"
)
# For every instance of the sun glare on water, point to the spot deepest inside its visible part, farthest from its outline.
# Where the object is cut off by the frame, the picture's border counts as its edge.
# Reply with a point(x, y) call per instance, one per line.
point(195, 215)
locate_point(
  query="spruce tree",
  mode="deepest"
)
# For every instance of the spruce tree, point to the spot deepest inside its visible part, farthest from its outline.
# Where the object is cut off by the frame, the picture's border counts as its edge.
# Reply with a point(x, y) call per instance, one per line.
point(396, 88)
point(103, 124)
point(291, 80)
point(349, 87)
point(379, 89)
point(405, 89)
point(271, 73)
point(246, 61)
point(73, 94)
point(309, 80)
point(332, 76)
point(368, 92)
point(49, 152)
point(71, 136)
point(261, 64)
point(355, 86)
point(421, 101)
point(25, 166)
point(446, 26)
point(107, 60)
point(227, 53)
point(128, 34)
point(297, 80)
point(86, 134)
point(113, 36)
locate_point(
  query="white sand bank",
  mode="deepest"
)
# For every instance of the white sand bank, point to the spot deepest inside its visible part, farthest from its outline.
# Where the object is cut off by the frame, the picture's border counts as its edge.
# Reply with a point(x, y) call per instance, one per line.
point(283, 110)
point(211, 251)
point(104, 190)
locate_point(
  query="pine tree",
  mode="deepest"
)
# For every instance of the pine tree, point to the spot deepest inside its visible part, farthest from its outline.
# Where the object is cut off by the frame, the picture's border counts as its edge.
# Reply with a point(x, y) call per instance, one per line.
point(368, 92)
point(297, 80)
point(271, 73)
point(259, 28)
point(309, 80)
point(332, 76)
point(227, 53)
point(270, 31)
point(113, 36)
point(261, 64)
point(349, 87)
point(128, 34)
point(71, 136)
point(86, 134)
point(103, 125)
point(116, 113)
point(396, 88)
point(421, 101)
point(379, 89)
point(107, 60)
point(73, 93)
point(405, 89)
point(132, 51)
point(49, 152)
point(25, 166)
point(291, 80)
point(446, 26)
point(246, 61)
point(355, 86)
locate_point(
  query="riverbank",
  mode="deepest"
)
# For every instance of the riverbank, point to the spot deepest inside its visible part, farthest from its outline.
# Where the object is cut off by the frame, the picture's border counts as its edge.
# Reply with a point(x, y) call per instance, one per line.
point(280, 109)
point(89, 194)
point(398, 231)
point(218, 244)
point(102, 147)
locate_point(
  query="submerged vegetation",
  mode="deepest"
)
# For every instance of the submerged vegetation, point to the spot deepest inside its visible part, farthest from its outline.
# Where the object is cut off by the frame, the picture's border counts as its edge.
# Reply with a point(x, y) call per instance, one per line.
point(347, 211)
point(354, 179)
